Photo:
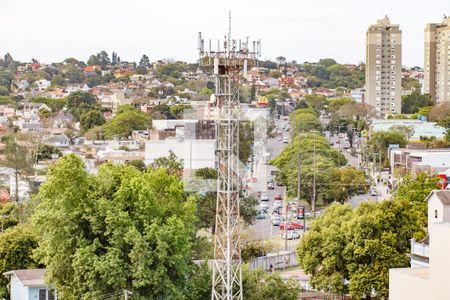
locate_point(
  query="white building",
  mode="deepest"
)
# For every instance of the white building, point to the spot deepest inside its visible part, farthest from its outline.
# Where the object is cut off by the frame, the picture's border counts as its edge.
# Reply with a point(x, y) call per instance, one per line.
point(416, 160)
point(420, 128)
point(43, 84)
point(76, 87)
point(195, 154)
point(29, 285)
point(427, 280)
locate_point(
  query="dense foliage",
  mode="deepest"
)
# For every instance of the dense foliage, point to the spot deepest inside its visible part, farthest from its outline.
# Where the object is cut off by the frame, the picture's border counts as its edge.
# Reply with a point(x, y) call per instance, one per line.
point(327, 159)
point(351, 250)
point(121, 229)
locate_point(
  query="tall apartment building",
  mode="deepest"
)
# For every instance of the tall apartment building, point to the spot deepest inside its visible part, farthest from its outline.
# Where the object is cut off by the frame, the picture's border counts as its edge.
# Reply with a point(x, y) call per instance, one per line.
point(437, 60)
point(384, 67)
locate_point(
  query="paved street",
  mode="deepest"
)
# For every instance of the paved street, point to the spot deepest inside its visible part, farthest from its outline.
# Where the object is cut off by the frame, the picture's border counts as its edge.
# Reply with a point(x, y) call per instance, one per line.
point(263, 229)
point(355, 161)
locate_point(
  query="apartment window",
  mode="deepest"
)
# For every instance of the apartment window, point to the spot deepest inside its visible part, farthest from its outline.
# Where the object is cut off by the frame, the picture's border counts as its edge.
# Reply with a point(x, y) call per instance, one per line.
point(435, 214)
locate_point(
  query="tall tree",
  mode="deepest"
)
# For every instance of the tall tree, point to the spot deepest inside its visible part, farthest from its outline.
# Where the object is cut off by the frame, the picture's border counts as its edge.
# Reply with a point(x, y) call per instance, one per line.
point(91, 119)
point(17, 158)
point(144, 62)
point(7, 60)
point(122, 229)
point(93, 60)
point(80, 102)
point(103, 59)
point(351, 251)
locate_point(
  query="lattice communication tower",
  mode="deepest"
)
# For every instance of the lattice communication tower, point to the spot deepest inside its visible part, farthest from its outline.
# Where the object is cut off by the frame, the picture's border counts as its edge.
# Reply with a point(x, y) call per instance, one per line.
point(229, 62)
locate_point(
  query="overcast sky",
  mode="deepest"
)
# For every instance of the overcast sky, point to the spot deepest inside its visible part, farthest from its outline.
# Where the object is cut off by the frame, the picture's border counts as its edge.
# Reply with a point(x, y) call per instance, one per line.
point(301, 30)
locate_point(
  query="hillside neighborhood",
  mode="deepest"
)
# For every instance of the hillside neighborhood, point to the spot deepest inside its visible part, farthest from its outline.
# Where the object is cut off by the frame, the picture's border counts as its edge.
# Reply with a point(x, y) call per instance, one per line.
point(231, 177)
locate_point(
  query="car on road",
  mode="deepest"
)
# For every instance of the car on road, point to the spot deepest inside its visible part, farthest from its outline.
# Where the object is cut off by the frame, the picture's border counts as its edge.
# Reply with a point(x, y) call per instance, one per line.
point(373, 192)
point(264, 206)
point(264, 197)
point(271, 186)
point(277, 204)
point(276, 220)
point(285, 140)
point(278, 196)
point(261, 215)
point(289, 226)
point(290, 235)
point(297, 225)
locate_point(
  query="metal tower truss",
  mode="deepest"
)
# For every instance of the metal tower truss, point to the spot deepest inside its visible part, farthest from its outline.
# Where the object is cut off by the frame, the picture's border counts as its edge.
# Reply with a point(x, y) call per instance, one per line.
point(228, 64)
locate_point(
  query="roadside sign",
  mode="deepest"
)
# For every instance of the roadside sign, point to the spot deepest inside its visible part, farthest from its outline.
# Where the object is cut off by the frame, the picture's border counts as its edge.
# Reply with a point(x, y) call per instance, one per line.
point(300, 212)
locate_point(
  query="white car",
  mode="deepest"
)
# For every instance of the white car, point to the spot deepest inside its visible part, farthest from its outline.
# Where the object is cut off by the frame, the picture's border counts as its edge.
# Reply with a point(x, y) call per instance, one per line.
point(285, 140)
point(291, 235)
point(263, 206)
point(264, 197)
point(277, 204)
point(373, 192)
point(276, 220)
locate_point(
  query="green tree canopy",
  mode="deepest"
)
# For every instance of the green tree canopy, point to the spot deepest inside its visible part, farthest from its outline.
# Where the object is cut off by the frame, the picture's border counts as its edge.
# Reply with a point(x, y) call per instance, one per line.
point(16, 251)
point(124, 123)
point(121, 229)
point(380, 141)
point(327, 158)
point(411, 104)
point(351, 251)
point(415, 190)
point(91, 119)
point(80, 102)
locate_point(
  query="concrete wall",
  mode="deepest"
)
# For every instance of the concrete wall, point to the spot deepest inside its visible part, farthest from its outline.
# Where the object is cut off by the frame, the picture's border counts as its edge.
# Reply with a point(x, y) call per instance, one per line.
point(404, 286)
point(18, 291)
point(195, 153)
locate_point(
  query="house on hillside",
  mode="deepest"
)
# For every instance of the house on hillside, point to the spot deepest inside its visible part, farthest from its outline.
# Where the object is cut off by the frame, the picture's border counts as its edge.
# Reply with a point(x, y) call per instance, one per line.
point(23, 85)
point(29, 285)
point(57, 140)
point(43, 84)
point(62, 119)
point(77, 87)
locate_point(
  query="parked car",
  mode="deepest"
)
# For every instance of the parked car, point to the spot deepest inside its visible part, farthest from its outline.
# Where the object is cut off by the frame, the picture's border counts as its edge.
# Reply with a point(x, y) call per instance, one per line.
point(290, 235)
point(270, 186)
point(264, 197)
point(285, 140)
point(278, 197)
point(277, 204)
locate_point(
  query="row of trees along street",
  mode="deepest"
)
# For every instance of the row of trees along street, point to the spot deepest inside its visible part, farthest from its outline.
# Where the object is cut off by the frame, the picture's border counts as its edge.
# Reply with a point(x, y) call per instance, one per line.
point(318, 160)
point(350, 251)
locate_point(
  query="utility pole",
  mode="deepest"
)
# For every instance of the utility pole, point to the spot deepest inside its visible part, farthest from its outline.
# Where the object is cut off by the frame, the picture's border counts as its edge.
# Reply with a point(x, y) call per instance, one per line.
point(314, 181)
point(298, 171)
point(228, 61)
